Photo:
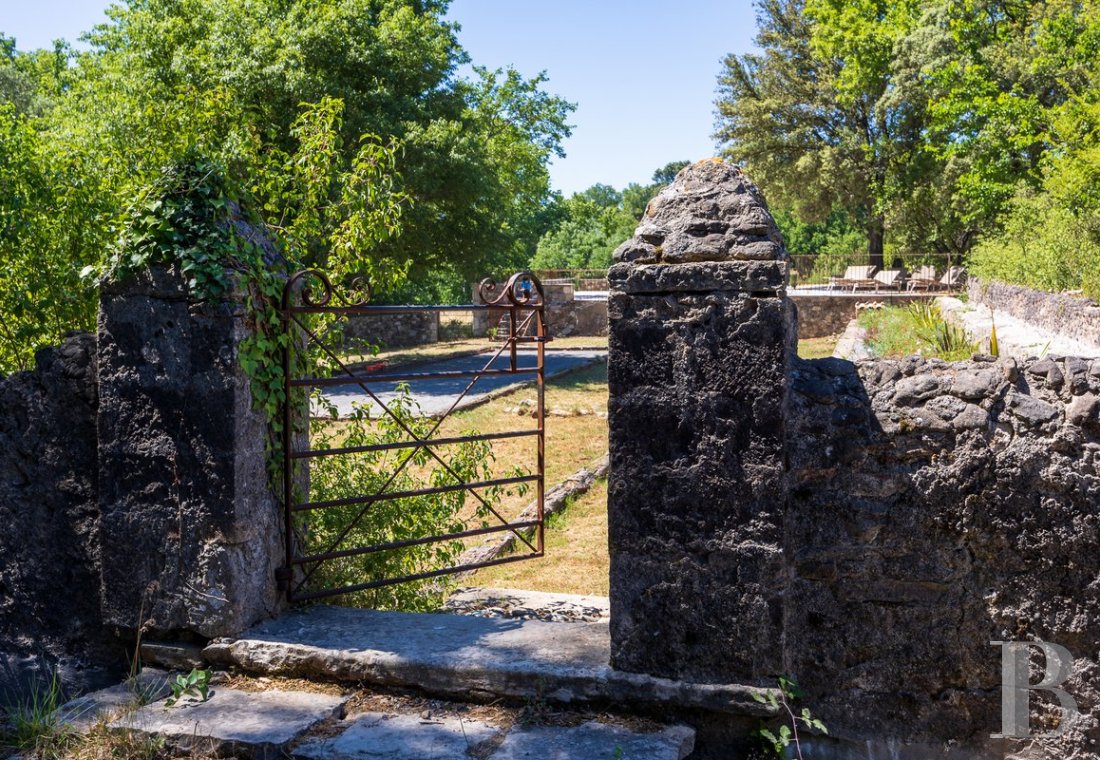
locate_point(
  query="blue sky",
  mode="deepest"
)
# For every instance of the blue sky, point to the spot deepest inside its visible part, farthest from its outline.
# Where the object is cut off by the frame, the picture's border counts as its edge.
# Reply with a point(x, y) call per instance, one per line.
point(642, 72)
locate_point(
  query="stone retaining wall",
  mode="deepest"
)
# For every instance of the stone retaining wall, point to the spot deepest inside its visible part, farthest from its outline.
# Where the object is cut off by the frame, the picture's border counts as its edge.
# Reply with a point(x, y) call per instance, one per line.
point(821, 314)
point(1073, 316)
point(867, 529)
point(414, 328)
point(565, 315)
point(935, 508)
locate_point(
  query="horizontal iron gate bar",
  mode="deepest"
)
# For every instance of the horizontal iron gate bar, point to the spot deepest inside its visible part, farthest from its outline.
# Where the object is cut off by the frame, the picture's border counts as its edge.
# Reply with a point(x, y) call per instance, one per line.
point(413, 444)
point(405, 309)
point(310, 595)
point(405, 543)
point(393, 495)
point(326, 382)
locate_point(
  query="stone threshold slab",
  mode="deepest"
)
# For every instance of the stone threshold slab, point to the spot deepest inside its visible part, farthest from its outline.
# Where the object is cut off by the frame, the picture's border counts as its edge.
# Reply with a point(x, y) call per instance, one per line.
point(256, 725)
point(466, 657)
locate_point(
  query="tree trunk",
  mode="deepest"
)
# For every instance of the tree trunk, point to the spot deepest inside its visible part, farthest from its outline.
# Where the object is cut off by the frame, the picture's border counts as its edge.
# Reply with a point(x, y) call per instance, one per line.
point(875, 236)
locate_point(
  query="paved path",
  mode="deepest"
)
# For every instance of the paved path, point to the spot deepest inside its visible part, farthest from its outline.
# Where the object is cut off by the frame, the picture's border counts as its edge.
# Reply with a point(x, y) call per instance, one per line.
point(1015, 336)
point(435, 395)
point(446, 660)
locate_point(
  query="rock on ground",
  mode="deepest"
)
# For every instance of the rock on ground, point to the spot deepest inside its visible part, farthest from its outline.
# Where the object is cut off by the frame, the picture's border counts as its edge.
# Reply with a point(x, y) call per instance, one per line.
point(256, 723)
point(400, 737)
point(595, 741)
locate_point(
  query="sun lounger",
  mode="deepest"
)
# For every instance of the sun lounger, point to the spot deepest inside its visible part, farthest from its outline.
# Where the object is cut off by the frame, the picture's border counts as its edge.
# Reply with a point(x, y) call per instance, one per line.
point(855, 278)
point(890, 279)
point(923, 279)
point(953, 278)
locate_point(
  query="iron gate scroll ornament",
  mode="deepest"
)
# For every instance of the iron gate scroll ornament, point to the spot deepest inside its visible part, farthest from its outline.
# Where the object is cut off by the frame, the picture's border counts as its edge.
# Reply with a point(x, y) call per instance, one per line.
point(310, 291)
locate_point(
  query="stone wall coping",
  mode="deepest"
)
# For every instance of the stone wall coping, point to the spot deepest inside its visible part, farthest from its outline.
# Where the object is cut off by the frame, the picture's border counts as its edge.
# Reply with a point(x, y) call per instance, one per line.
point(699, 277)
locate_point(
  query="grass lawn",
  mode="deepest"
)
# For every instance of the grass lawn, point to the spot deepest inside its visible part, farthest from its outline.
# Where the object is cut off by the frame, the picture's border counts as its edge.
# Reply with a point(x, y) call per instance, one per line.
point(571, 441)
point(576, 560)
point(817, 348)
point(899, 331)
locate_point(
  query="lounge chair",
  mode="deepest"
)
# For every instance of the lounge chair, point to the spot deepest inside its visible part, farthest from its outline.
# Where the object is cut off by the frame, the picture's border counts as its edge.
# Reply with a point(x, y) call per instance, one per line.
point(954, 278)
point(890, 279)
point(855, 278)
point(923, 279)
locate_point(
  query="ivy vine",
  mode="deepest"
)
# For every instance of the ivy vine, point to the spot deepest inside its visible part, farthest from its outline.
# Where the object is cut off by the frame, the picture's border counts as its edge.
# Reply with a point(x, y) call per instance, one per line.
point(190, 218)
point(193, 219)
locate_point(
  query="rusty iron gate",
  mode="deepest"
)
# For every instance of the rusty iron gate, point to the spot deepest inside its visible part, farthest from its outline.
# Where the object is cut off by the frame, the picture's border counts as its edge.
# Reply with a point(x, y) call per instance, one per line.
point(519, 307)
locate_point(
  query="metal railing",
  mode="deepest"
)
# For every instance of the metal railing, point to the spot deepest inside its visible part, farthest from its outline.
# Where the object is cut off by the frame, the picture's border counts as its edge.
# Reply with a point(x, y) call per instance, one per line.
point(581, 279)
point(900, 271)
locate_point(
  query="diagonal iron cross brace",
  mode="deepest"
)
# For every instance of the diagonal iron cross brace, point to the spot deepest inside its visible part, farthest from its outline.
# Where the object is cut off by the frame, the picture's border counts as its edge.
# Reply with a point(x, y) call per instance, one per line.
point(423, 443)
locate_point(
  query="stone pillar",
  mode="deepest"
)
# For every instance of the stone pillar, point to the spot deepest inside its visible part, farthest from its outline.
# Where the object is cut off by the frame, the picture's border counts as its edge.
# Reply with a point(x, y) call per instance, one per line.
point(190, 532)
point(701, 334)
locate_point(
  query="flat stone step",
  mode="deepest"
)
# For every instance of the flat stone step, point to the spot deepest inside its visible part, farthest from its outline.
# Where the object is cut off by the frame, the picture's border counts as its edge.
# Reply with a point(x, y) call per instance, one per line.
point(86, 712)
point(407, 737)
point(466, 657)
point(401, 737)
point(281, 723)
point(259, 724)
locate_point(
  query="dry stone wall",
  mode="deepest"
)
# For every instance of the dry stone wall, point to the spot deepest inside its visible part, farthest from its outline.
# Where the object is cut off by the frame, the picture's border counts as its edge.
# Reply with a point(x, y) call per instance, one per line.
point(1070, 315)
point(393, 330)
point(823, 314)
point(134, 489)
point(935, 508)
point(565, 315)
point(49, 551)
point(866, 528)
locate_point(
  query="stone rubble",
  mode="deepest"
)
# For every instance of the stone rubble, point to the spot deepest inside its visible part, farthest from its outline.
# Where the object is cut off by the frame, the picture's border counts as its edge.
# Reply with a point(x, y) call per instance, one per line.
point(527, 605)
point(258, 724)
point(323, 724)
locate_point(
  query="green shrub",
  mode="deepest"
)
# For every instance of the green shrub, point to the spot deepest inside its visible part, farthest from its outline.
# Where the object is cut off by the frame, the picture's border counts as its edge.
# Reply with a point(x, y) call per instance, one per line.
point(1043, 245)
point(405, 519)
point(917, 329)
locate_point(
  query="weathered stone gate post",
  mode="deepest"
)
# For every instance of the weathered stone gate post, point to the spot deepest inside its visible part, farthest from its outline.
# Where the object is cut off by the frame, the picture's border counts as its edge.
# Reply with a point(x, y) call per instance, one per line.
point(701, 335)
point(190, 531)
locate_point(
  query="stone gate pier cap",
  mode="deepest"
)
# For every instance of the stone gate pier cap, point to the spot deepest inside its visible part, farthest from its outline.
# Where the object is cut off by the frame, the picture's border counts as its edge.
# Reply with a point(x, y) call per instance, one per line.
point(711, 214)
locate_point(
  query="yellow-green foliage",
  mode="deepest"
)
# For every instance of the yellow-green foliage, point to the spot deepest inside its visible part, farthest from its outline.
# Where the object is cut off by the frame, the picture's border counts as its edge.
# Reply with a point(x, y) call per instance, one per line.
point(1044, 245)
point(917, 329)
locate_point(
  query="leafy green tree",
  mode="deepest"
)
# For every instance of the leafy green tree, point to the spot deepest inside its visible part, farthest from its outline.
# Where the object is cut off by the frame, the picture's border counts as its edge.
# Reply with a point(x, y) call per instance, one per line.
point(1016, 111)
point(322, 112)
point(811, 115)
point(587, 228)
point(595, 224)
point(667, 173)
point(49, 230)
point(474, 154)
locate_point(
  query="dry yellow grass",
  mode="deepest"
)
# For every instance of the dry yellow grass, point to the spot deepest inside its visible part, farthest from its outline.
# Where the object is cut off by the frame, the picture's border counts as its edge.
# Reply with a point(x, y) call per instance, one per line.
point(817, 348)
point(576, 560)
point(398, 357)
